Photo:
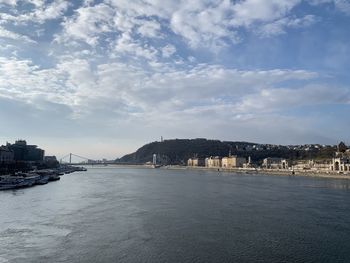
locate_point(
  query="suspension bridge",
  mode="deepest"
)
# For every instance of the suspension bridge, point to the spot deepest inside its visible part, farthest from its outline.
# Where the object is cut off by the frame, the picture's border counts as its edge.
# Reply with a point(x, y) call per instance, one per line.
point(72, 158)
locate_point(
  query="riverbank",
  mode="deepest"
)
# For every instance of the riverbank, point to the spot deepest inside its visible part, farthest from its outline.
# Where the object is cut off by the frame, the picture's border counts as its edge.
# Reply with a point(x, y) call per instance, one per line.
point(257, 171)
point(260, 171)
point(35, 177)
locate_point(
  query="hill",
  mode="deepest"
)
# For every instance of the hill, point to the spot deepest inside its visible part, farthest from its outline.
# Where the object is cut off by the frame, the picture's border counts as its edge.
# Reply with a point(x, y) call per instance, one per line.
point(177, 151)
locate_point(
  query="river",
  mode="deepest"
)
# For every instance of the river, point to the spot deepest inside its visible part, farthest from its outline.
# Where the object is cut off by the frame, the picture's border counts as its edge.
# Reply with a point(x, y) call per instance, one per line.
point(123, 214)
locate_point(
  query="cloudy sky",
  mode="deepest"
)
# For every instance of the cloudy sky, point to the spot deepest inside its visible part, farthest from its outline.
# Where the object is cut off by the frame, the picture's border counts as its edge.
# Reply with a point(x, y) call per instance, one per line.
point(101, 78)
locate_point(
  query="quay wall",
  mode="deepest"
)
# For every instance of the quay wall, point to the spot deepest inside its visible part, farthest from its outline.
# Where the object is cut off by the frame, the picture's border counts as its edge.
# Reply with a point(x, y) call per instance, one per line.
point(278, 172)
point(257, 171)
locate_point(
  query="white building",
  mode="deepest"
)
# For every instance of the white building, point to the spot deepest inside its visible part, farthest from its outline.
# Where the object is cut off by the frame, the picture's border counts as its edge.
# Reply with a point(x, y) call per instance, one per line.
point(340, 164)
point(275, 163)
point(213, 162)
point(233, 162)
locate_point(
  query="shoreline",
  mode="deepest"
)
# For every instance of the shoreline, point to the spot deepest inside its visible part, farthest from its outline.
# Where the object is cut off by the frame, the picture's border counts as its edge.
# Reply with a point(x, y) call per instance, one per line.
point(259, 171)
point(253, 171)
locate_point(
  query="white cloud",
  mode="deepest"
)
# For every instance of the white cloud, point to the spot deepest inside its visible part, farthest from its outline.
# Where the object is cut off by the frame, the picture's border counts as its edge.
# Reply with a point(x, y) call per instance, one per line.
point(88, 24)
point(126, 45)
point(149, 29)
point(168, 50)
point(250, 11)
point(14, 36)
point(279, 26)
point(39, 14)
point(204, 23)
point(275, 100)
point(75, 83)
point(210, 24)
point(32, 84)
point(8, 2)
point(37, 3)
point(137, 63)
point(54, 10)
point(149, 8)
point(114, 94)
point(341, 5)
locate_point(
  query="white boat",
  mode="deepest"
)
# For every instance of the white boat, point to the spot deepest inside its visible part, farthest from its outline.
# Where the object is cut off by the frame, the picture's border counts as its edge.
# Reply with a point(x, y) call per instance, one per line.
point(12, 182)
point(51, 175)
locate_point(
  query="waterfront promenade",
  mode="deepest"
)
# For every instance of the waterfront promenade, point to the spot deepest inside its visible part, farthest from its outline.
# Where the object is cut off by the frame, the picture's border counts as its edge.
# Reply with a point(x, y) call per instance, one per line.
point(242, 171)
point(277, 172)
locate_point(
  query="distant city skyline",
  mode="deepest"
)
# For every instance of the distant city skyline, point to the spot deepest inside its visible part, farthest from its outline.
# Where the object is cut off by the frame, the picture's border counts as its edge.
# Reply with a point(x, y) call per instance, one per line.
point(102, 78)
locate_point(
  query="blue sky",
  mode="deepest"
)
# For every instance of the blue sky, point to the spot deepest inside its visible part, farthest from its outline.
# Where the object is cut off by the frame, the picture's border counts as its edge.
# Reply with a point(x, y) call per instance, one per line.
point(101, 78)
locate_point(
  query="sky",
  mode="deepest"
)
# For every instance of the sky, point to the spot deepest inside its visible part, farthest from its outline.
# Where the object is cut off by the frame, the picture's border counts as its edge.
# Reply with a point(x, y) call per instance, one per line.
point(102, 78)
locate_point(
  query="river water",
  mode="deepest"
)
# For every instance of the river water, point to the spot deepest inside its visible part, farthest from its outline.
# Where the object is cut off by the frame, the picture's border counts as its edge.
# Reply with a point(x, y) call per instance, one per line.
point(158, 215)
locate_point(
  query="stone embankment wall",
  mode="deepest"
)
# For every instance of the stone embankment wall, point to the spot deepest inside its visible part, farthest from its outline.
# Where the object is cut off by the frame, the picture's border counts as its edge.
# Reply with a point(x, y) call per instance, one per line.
point(277, 172)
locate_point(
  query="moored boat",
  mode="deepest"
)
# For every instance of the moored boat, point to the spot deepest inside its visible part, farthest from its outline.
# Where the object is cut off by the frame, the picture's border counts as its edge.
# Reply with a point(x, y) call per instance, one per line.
point(54, 177)
point(43, 179)
point(51, 175)
point(14, 182)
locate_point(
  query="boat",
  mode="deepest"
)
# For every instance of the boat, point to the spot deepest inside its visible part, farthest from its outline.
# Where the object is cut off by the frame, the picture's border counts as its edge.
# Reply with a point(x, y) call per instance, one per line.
point(67, 169)
point(80, 169)
point(43, 179)
point(8, 186)
point(50, 175)
point(54, 177)
point(20, 179)
point(8, 182)
point(30, 178)
point(14, 182)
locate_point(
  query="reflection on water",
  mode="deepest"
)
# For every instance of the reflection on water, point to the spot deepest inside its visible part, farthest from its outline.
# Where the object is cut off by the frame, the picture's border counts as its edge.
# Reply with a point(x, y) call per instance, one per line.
point(154, 215)
point(339, 186)
point(328, 183)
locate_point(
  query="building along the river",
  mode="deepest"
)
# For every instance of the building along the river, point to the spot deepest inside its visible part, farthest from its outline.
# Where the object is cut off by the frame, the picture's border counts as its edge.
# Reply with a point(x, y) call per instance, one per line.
point(233, 162)
point(196, 162)
point(341, 163)
point(313, 165)
point(24, 152)
point(213, 162)
point(6, 155)
point(275, 163)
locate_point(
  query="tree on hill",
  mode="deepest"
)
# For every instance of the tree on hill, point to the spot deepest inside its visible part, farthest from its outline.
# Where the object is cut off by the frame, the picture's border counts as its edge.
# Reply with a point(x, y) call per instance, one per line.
point(178, 151)
point(342, 147)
